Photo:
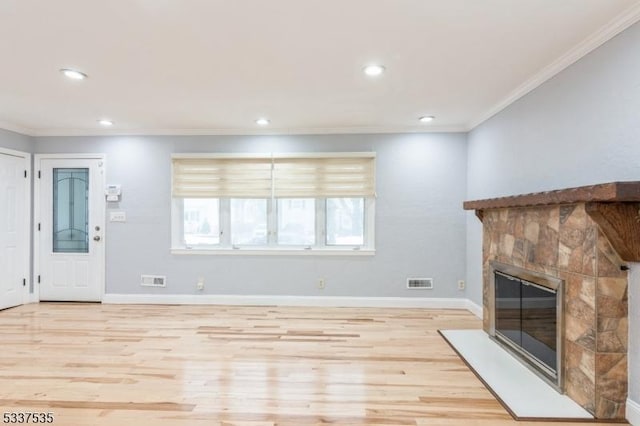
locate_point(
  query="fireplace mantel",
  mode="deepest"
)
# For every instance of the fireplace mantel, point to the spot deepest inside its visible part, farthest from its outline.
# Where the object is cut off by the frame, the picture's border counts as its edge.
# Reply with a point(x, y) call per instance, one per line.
point(614, 206)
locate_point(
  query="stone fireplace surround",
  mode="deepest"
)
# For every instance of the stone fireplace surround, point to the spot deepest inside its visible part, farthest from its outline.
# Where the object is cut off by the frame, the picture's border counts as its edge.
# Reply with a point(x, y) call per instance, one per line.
point(582, 236)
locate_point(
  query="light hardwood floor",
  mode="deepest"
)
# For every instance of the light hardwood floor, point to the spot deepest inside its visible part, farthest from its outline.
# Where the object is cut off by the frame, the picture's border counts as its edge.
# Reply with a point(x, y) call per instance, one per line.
point(99, 365)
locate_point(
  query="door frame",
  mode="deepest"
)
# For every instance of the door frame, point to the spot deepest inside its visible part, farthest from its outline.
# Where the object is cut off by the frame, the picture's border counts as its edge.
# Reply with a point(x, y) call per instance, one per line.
point(37, 212)
point(27, 296)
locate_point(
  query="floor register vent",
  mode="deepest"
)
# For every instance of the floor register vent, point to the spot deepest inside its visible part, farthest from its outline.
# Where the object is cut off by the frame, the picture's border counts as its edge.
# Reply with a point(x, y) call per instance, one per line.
point(420, 283)
point(153, 281)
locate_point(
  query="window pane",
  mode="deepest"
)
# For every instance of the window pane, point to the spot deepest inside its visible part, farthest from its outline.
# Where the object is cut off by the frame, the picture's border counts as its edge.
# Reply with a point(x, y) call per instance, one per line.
point(296, 221)
point(248, 221)
point(201, 221)
point(70, 210)
point(345, 221)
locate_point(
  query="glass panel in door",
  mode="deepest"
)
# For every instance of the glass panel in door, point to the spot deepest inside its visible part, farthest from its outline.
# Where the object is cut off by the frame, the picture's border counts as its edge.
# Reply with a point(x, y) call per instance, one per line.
point(71, 210)
point(508, 320)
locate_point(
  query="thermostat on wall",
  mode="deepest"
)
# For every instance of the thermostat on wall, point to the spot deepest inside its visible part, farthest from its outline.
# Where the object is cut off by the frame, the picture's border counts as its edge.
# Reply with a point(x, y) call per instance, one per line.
point(113, 192)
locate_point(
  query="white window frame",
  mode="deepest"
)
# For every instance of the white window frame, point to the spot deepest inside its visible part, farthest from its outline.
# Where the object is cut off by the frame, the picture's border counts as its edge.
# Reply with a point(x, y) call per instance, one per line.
point(272, 248)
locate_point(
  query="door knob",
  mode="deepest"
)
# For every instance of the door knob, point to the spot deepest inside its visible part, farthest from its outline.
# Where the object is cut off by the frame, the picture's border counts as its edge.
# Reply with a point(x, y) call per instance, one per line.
point(96, 238)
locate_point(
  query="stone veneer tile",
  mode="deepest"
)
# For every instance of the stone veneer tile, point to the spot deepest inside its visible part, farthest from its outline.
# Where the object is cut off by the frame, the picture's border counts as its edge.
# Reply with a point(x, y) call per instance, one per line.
point(564, 256)
point(608, 262)
point(532, 231)
point(615, 288)
point(611, 385)
point(485, 299)
point(579, 371)
point(572, 238)
point(518, 255)
point(517, 216)
point(565, 211)
point(613, 323)
point(576, 218)
point(506, 245)
point(580, 313)
point(609, 341)
point(611, 366)
point(563, 241)
point(609, 307)
point(545, 252)
point(589, 250)
point(553, 221)
point(576, 241)
point(580, 287)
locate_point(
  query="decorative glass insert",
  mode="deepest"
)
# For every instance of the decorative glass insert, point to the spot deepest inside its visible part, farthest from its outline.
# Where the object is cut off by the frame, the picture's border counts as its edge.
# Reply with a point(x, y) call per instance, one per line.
point(70, 210)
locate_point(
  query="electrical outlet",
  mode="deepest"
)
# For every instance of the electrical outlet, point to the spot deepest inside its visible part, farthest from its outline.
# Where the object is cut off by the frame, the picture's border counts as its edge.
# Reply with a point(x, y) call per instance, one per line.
point(461, 285)
point(321, 283)
point(200, 284)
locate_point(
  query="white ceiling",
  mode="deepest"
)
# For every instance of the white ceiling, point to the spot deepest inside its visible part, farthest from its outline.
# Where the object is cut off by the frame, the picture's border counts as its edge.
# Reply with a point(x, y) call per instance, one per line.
point(214, 66)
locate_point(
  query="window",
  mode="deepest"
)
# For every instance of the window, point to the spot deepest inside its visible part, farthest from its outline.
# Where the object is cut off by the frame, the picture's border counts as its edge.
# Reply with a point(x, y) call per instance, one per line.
point(345, 221)
point(288, 202)
point(297, 221)
point(248, 221)
point(201, 221)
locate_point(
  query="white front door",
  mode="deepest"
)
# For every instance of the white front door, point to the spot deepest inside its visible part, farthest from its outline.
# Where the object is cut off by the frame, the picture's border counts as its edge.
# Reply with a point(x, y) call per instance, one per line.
point(14, 222)
point(70, 228)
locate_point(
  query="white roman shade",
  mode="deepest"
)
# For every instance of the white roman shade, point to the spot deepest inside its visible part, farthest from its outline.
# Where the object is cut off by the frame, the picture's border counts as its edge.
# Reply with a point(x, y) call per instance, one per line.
point(324, 177)
point(221, 177)
point(351, 175)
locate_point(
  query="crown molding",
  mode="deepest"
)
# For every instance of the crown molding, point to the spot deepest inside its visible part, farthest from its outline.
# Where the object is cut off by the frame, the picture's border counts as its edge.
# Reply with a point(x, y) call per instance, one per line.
point(248, 132)
point(16, 129)
point(595, 40)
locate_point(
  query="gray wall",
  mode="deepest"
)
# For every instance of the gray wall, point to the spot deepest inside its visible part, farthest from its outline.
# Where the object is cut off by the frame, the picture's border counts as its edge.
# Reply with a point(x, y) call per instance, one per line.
point(420, 227)
point(581, 127)
point(15, 141)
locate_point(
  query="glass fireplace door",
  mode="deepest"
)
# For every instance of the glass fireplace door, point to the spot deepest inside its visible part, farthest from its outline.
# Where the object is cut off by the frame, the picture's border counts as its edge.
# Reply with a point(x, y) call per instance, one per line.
point(539, 323)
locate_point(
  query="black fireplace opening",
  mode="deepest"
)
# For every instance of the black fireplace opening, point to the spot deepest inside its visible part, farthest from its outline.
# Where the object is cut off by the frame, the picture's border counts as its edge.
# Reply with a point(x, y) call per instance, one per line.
point(526, 320)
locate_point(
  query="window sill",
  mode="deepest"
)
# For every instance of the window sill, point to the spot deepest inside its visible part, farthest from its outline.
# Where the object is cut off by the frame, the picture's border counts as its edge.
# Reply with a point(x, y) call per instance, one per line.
point(276, 252)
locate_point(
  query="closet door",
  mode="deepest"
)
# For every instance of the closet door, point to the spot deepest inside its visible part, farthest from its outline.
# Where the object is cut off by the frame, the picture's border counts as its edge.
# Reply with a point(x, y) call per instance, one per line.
point(14, 223)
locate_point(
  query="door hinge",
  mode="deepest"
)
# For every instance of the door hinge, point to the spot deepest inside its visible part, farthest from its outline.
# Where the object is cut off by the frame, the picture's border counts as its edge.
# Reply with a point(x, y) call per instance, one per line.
point(38, 227)
point(38, 279)
point(39, 174)
point(24, 282)
point(25, 173)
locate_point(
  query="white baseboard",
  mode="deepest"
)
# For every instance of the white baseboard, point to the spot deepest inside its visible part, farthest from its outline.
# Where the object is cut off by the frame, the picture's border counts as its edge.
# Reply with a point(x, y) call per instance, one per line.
point(333, 301)
point(633, 412)
point(474, 308)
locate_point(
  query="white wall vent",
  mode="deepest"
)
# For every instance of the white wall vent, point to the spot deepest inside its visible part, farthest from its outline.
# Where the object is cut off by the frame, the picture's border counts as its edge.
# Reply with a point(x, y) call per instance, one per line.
point(153, 281)
point(420, 283)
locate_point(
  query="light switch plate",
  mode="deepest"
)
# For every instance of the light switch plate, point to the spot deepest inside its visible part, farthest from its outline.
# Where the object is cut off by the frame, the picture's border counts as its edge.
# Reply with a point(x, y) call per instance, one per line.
point(117, 217)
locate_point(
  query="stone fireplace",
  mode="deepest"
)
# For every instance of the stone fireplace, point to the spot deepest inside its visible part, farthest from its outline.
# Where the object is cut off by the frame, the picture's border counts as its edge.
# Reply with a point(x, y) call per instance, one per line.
point(581, 237)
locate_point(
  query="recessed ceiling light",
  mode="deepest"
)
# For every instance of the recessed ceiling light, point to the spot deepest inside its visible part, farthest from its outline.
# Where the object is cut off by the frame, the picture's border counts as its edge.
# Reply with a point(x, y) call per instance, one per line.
point(73, 74)
point(373, 70)
point(262, 121)
point(426, 118)
point(106, 123)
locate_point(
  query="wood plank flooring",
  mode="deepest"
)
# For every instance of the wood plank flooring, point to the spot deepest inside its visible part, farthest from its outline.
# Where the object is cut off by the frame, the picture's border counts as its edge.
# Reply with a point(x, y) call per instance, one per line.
point(104, 365)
